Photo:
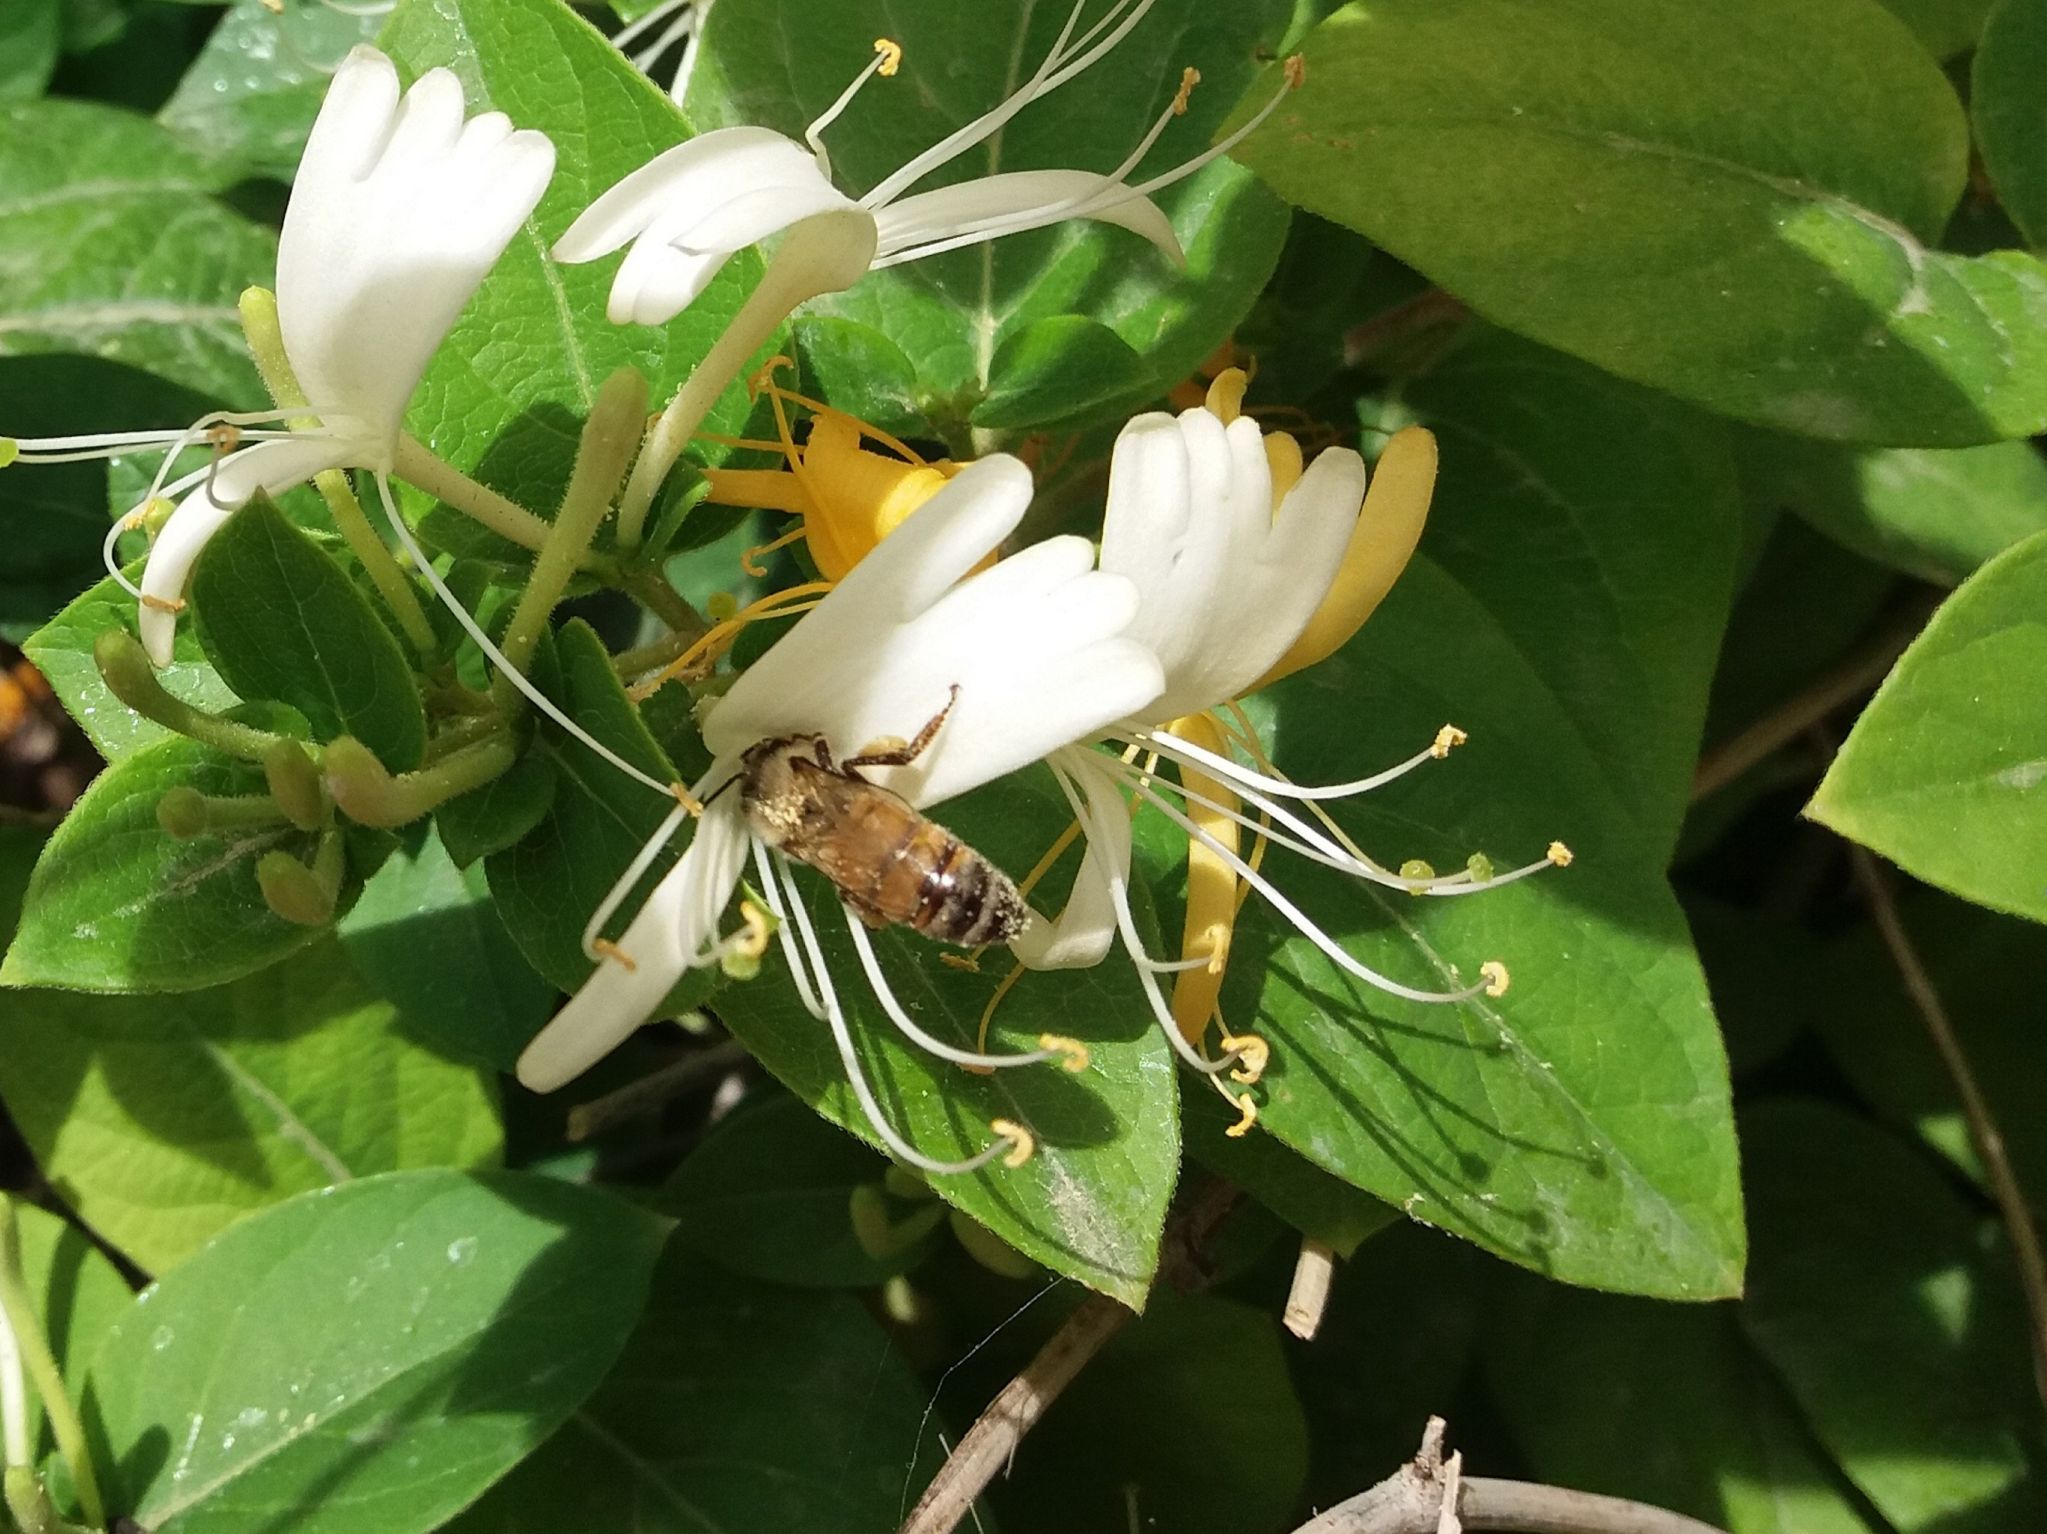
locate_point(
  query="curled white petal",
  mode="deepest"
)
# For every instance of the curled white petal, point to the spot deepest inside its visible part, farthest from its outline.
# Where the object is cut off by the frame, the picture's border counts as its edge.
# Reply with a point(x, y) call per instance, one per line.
point(1084, 931)
point(1013, 202)
point(1034, 646)
point(670, 934)
point(399, 209)
point(269, 467)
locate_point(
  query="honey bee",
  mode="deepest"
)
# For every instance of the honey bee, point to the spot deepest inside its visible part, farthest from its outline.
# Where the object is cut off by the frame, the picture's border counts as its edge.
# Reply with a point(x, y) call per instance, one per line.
point(890, 862)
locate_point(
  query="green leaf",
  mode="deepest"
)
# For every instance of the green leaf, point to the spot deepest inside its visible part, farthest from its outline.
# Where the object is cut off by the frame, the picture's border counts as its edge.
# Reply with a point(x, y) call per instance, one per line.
point(769, 1194)
point(781, 62)
point(1734, 202)
point(1709, 1432)
point(114, 246)
point(1944, 27)
point(1059, 367)
point(76, 1292)
point(62, 651)
point(1090, 1203)
point(507, 393)
point(1983, 966)
point(1935, 515)
point(547, 884)
point(491, 818)
point(28, 48)
point(281, 621)
point(429, 941)
point(1580, 1125)
point(862, 372)
point(163, 1120)
point(736, 1407)
point(1232, 1456)
point(1874, 1297)
point(370, 1357)
point(1309, 1199)
point(249, 99)
point(116, 905)
point(1942, 773)
point(2010, 116)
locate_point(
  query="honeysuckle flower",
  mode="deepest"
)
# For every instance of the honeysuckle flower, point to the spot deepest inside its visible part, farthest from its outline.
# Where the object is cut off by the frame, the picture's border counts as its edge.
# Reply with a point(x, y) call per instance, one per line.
point(687, 211)
point(1249, 566)
point(1030, 654)
point(399, 209)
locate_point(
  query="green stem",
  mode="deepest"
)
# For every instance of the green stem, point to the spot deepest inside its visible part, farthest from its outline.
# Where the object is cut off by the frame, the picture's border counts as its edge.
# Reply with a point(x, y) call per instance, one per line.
point(824, 254)
point(420, 465)
point(369, 794)
point(258, 308)
point(125, 667)
point(652, 657)
point(651, 590)
point(42, 1367)
point(462, 732)
point(183, 812)
point(608, 439)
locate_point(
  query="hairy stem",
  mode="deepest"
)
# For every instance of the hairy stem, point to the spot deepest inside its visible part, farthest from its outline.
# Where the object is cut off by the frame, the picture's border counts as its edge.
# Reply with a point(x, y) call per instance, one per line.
point(418, 464)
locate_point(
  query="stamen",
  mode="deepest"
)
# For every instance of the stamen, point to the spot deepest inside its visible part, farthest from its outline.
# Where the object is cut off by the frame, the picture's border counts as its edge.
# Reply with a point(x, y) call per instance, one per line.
point(1074, 1054)
point(1022, 1143)
point(749, 561)
point(690, 803)
point(1173, 748)
point(965, 963)
point(888, 58)
point(648, 22)
point(162, 604)
point(929, 1043)
point(1247, 1110)
point(719, 637)
point(1189, 78)
point(753, 941)
point(1447, 738)
point(1002, 989)
point(1252, 1053)
point(474, 630)
point(1558, 854)
point(594, 946)
point(605, 948)
point(1497, 979)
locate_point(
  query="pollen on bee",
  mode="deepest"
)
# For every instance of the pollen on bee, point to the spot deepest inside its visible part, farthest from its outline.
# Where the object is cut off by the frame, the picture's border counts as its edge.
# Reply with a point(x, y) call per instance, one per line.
point(1447, 738)
point(891, 57)
point(605, 948)
point(1496, 976)
point(1023, 1144)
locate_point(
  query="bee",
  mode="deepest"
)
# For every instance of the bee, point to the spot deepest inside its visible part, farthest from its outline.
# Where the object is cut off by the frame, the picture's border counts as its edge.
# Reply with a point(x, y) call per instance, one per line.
point(891, 863)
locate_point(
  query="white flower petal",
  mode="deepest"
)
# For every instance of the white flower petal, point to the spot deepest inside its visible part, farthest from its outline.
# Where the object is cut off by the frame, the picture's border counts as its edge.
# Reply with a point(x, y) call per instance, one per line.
point(1085, 929)
point(699, 175)
point(271, 467)
point(993, 206)
point(398, 212)
point(1033, 645)
point(678, 922)
point(754, 215)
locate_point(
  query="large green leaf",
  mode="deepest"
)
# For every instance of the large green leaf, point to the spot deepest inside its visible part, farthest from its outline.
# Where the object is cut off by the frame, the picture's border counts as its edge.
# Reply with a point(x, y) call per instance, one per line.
point(2010, 113)
point(507, 394)
point(1942, 774)
point(165, 1119)
point(781, 62)
point(429, 940)
point(1579, 1125)
point(249, 99)
point(116, 905)
point(62, 651)
point(1944, 27)
point(282, 622)
point(1931, 513)
point(1874, 1296)
point(1091, 1201)
point(370, 1357)
point(737, 1408)
point(1733, 202)
point(111, 244)
point(29, 35)
point(1709, 1432)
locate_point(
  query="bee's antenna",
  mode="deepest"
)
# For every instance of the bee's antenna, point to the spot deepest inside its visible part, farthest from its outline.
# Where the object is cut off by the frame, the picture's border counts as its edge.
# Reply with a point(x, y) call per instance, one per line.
point(712, 797)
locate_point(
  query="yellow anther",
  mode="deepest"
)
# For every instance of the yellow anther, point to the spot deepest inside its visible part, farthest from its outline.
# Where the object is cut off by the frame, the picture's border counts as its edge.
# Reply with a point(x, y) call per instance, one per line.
point(763, 377)
point(686, 799)
point(1419, 872)
point(1189, 78)
point(1496, 977)
point(9, 451)
point(1248, 1115)
point(1447, 739)
point(1022, 1145)
point(224, 436)
point(1295, 69)
point(1253, 1055)
point(961, 961)
point(891, 57)
point(1073, 1054)
point(1226, 394)
point(723, 605)
point(754, 941)
point(163, 604)
point(1559, 854)
point(607, 949)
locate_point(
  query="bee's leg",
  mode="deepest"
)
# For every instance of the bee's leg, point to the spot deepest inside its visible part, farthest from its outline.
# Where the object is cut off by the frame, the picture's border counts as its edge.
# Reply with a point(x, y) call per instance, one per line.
point(904, 754)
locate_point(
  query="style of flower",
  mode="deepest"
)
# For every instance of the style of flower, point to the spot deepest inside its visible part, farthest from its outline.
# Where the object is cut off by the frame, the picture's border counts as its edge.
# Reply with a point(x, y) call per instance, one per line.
point(399, 209)
point(1032, 656)
point(1249, 566)
point(679, 21)
point(686, 212)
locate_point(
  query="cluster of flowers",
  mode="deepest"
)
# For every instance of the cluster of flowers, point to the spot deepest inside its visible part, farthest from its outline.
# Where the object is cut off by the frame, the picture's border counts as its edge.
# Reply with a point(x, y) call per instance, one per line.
point(1226, 561)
